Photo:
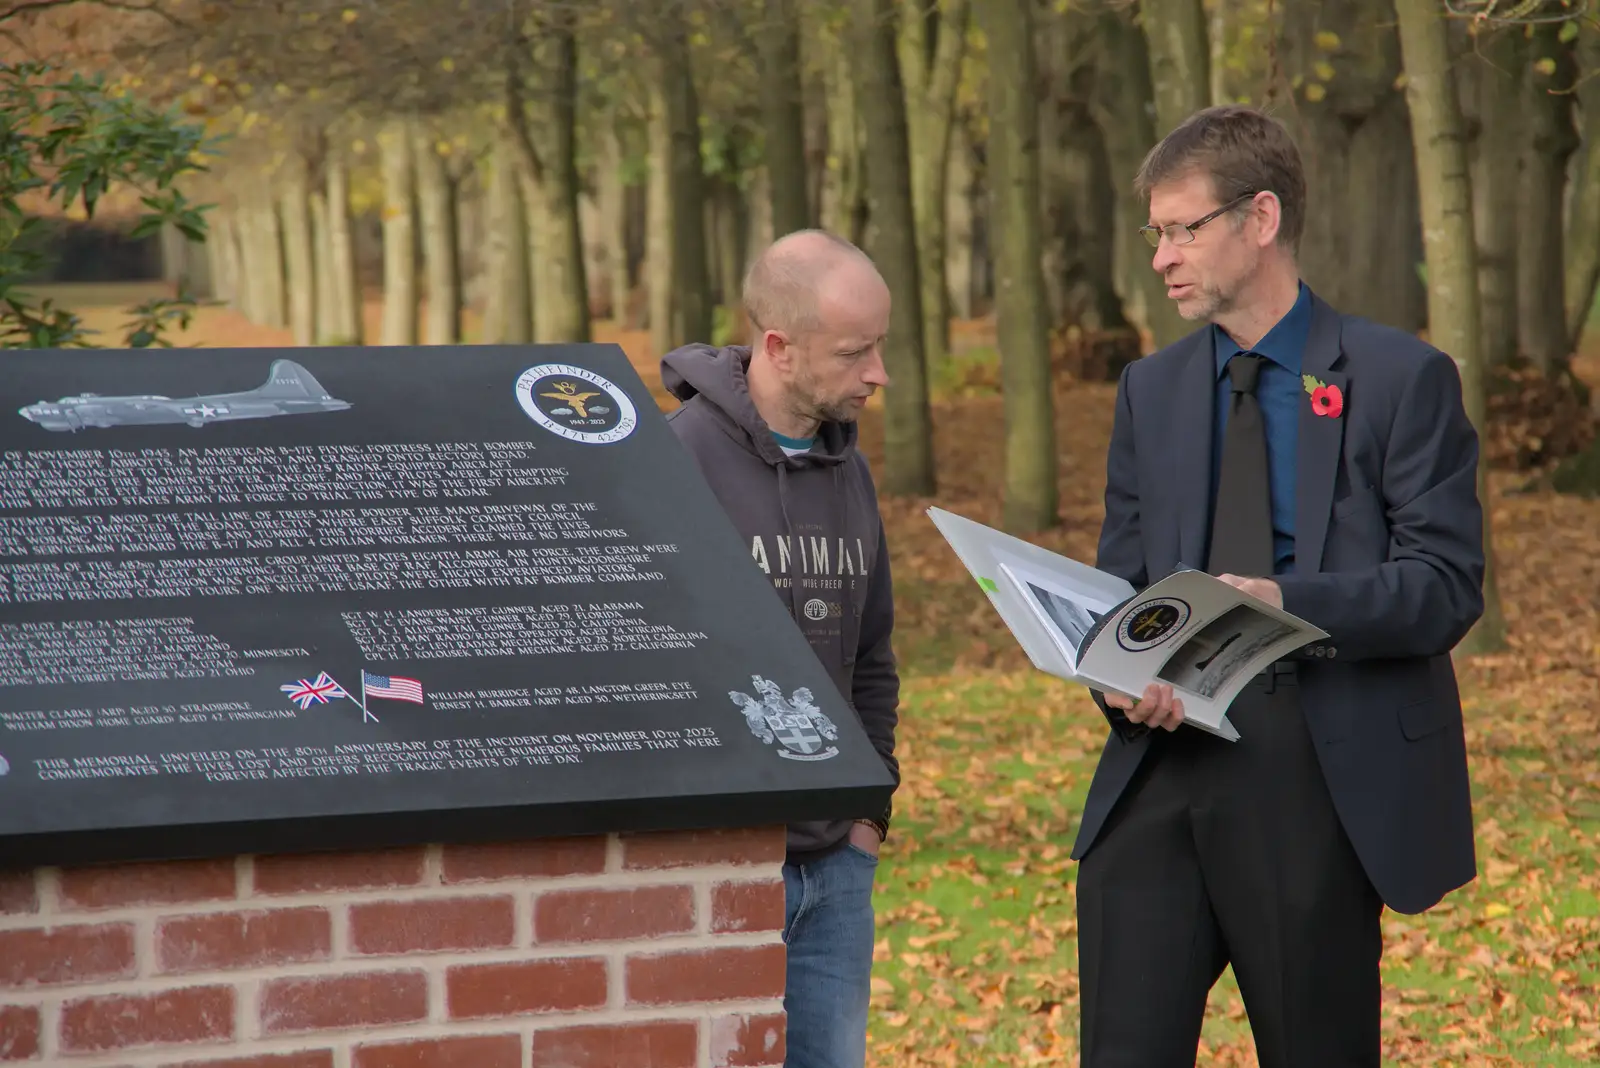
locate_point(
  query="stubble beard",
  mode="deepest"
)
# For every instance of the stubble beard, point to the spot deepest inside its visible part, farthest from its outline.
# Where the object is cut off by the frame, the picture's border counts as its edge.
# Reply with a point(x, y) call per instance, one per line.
point(806, 401)
point(1207, 303)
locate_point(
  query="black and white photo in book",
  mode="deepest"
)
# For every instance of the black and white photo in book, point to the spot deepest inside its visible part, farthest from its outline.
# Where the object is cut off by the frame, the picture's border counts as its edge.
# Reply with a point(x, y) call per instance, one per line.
point(1209, 660)
point(1071, 618)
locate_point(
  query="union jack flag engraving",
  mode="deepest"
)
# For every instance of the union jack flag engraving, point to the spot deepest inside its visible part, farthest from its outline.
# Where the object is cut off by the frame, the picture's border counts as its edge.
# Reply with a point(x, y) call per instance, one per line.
point(318, 690)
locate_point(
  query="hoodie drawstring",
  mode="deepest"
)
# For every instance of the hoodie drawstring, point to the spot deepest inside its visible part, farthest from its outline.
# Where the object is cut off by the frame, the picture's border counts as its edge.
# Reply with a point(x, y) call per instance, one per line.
point(849, 621)
point(788, 533)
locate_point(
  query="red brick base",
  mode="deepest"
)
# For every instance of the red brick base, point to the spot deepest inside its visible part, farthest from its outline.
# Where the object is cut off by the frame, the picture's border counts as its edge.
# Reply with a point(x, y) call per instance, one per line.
point(632, 951)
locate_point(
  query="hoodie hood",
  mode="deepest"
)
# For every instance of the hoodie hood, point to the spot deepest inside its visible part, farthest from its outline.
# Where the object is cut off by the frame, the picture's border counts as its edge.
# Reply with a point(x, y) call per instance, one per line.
point(718, 374)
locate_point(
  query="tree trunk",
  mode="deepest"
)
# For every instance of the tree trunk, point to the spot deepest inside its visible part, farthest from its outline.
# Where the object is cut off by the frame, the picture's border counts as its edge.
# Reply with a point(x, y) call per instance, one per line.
point(932, 44)
point(1446, 201)
point(1583, 229)
point(174, 255)
point(1362, 242)
point(1180, 59)
point(636, 198)
point(184, 263)
point(263, 254)
point(349, 323)
point(1122, 102)
point(730, 225)
point(252, 264)
point(506, 318)
point(691, 284)
point(247, 266)
point(818, 82)
point(711, 212)
point(908, 437)
point(1542, 333)
point(959, 222)
point(1030, 467)
point(294, 205)
point(321, 267)
point(1217, 25)
point(758, 205)
point(613, 204)
point(659, 254)
point(783, 116)
point(534, 237)
point(1382, 189)
point(561, 290)
point(441, 255)
point(1490, 84)
point(269, 252)
point(844, 195)
point(399, 234)
point(223, 249)
point(1077, 203)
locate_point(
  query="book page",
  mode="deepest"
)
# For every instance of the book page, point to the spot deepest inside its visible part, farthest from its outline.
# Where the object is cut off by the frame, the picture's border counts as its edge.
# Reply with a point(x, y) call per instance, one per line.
point(1205, 638)
point(1068, 614)
point(984, 550)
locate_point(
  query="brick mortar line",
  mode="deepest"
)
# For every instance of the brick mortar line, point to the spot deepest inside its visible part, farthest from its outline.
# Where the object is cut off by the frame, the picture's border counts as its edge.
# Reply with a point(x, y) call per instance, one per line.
point(343, 1041)
point(146, 961)
point(47, 885)
point(401, 962)
point(703, 1044)
point(247, 1002)
point(340, 937)
point(704, 908)
point(49, 1030)
point(707, 876)
point(438, 996)
point(522, 919)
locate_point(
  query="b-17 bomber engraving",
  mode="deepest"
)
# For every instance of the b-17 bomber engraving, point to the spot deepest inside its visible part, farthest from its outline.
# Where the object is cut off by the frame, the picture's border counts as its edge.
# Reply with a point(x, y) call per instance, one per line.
point(290, 389)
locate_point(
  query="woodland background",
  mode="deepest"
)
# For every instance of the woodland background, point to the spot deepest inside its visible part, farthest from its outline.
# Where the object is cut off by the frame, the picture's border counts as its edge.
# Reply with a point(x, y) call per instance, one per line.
point(399, 172)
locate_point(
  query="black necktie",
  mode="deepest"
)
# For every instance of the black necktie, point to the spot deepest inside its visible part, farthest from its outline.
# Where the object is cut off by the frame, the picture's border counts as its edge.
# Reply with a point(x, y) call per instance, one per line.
point(1241, 524)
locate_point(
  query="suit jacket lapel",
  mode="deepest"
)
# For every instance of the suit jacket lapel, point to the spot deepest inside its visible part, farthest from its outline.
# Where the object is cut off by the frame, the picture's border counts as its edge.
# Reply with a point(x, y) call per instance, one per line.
point(1193, 403)
point(1319, 441)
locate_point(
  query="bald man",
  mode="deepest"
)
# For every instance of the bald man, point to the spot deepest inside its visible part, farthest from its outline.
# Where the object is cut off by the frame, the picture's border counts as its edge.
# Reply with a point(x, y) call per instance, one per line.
point(773, 426)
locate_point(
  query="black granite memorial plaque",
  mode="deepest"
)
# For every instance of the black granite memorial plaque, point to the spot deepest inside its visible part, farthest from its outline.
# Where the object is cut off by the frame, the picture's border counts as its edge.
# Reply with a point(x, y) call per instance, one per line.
point(265, 599)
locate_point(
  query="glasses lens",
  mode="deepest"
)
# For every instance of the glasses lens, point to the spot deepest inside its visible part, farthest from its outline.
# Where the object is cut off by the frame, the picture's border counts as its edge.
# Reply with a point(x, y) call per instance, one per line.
point(1151, 235)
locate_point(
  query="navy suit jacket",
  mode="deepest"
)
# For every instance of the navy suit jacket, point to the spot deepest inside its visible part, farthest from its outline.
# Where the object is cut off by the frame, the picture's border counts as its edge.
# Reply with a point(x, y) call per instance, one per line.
point(1388, 560)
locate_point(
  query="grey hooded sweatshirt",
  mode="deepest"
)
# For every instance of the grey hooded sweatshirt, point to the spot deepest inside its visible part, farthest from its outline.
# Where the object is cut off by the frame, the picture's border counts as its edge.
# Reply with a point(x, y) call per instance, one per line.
point(812, 525)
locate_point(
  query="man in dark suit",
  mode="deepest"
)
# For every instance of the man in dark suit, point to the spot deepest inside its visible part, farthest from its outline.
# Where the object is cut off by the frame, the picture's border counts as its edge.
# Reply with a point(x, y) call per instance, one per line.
point(1324, 464)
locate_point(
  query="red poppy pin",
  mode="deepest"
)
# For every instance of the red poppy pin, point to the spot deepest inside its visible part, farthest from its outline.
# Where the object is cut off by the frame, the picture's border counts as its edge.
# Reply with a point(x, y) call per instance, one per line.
point(1325, 399)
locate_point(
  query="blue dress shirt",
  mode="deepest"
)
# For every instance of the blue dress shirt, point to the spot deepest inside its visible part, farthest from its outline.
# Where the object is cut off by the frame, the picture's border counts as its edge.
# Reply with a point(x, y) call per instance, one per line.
point(1280, 393)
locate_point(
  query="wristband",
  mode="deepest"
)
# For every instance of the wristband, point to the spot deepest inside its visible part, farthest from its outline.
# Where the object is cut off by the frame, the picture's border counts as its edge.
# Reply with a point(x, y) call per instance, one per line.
point(883, 831)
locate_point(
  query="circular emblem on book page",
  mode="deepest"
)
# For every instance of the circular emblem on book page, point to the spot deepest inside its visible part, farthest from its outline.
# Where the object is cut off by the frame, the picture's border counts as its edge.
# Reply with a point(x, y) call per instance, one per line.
point(576, 404)
point(1151, 623)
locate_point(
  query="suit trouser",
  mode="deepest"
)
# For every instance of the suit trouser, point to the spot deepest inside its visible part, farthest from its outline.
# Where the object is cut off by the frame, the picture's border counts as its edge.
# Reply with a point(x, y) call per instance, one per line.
point(1229, 852)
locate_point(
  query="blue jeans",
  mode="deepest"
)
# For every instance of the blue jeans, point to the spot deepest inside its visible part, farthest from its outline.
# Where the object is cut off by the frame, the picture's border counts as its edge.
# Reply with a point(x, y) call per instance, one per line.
point(828, 926)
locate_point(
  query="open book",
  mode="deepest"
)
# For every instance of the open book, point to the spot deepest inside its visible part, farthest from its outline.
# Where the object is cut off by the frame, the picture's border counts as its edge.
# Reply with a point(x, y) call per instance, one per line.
point(1205, 638)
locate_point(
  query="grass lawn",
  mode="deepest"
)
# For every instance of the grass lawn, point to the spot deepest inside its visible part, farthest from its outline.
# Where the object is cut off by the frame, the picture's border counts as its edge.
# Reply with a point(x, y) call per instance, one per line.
point(976, 960)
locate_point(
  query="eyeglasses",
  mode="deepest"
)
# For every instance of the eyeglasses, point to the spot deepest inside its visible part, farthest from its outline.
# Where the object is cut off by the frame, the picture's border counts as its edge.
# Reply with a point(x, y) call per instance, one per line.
point(1180, 234)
